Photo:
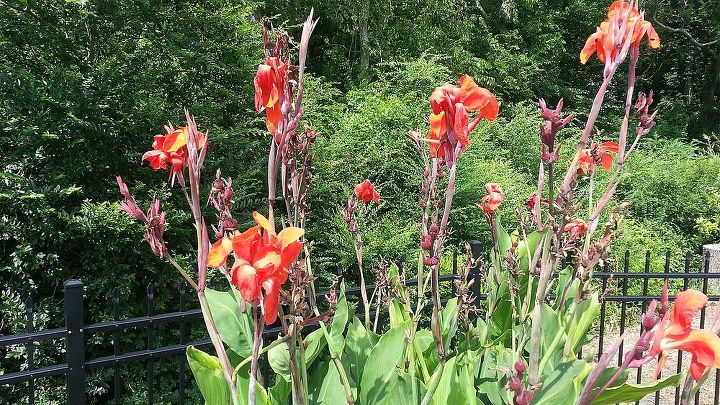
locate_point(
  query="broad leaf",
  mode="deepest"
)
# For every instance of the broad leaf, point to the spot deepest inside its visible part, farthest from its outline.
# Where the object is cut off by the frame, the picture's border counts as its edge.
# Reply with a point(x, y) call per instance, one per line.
point(279, 359)
point(235, 327)
point(325, 386)
point(456, 385)
point(449, 321)
point(559, 386)
point(408, 390)
point(209, 376)
point(585, 315)
point(380, 374)
point(337, 327)
point(314, 344)
point(357, 348)
point(279, 392)
point(633, 392)
point(397, 313)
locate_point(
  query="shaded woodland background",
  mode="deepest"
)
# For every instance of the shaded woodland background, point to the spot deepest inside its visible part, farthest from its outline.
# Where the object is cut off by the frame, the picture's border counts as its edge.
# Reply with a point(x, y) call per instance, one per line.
point(84, 84)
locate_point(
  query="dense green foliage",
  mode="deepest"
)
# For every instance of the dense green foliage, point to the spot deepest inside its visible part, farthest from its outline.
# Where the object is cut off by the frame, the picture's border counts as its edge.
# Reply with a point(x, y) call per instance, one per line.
point(85, 84)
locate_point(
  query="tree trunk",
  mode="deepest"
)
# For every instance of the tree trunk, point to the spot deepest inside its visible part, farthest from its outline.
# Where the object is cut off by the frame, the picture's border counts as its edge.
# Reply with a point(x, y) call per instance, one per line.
point(364, 39)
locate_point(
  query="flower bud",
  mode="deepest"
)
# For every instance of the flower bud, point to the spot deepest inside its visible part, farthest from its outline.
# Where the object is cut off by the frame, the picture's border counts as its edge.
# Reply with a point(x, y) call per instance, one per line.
point(514, 384)
point(434, 229)
point(520, 366)
point(430, 261)
point(525, 398)
point(426, 242)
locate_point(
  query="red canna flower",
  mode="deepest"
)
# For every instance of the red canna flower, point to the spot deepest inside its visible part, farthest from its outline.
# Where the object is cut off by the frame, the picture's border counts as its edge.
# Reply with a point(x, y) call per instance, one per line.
point(262, 260)
point(170, 148)
point(270, 82)
point(449, 122)
point(492, 201)
point(366, 192)
point(576, 228)
point(676, 332)
point(603, 41)
point(597, 154)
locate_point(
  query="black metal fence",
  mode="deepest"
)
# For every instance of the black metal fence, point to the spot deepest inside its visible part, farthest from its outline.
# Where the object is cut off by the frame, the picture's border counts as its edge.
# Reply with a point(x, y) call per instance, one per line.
point(627, 292)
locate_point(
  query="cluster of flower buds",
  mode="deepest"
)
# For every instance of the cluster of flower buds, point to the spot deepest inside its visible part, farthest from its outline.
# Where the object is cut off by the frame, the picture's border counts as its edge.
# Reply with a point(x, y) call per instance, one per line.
point(515, 384)
point(221, 195)
point(280, 49)
point(154, 220)
point(642, 107)
point(554, 123)
point(427, 243)
point(348, 214)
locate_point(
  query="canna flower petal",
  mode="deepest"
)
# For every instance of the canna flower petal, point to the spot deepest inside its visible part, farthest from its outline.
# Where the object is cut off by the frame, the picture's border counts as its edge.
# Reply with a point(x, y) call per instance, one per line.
point(264, 94)
point(263, 222)
point(461, 125)
point(290, 254)
point(603, 41)
point(687, 305)
point(705, 349)
point(245, 244)
point(289, 235)
point(449, 121)
point(366, 192)
point(271, 301)
point(156, 158)
point(610, 147)
point(491, 202)
point(244, 277)
point(653, 38)
point(267, 259)
point(219, 252)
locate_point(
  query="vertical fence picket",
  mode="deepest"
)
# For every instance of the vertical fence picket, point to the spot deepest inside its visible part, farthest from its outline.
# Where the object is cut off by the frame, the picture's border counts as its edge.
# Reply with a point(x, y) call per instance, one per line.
point(688, 257)
point(601, 339)
point(623, 305)
point(30, 347)
point(181, 369)
point(705, 269)
point(454, 271)
point(75, 325)
point(644, 308)
point(667, 271)
point(150, 345)
point(475, 276)
point(117, 384)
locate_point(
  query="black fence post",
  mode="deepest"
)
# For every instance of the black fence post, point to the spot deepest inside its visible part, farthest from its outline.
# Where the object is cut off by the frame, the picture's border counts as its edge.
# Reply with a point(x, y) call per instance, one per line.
point(476, 251)
point(75, 324)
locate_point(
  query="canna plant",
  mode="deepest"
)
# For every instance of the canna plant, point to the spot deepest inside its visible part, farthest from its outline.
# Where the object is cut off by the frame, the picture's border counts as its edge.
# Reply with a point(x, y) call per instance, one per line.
point(409, 344)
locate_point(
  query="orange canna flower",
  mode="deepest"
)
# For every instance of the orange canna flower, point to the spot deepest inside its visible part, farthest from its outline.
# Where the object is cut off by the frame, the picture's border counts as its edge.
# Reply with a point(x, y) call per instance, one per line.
point(270, 83)
point(449, 122)
point(676, 332)
point(575, 228)
point(603, 41)
point(491, 202)
point(602, 154)
point(262, 260)
point(366, 192)
point(170, 148)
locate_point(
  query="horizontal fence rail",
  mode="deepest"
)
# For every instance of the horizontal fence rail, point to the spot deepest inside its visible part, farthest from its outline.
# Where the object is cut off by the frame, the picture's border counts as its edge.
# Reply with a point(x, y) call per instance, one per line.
point(75, 333)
